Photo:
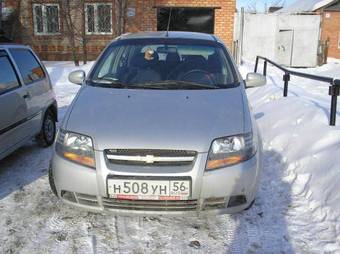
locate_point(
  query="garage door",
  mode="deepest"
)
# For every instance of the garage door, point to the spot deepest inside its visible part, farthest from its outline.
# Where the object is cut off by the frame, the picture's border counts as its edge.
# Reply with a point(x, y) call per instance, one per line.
point(186, 19)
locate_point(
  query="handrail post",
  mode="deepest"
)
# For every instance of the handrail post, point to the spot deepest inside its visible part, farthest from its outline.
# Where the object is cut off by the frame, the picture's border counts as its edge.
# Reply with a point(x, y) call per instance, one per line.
point(256, 64)
point(334, 91)
point(286, 79)
point(265, 68)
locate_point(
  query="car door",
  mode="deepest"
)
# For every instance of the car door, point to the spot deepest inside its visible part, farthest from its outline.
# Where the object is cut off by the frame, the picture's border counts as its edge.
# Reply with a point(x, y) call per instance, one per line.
point(13, 106)
point(36, 82)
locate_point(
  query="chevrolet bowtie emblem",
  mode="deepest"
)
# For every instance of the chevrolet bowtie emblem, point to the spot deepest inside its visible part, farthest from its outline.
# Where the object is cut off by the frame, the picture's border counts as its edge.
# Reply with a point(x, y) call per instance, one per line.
point(149, 159)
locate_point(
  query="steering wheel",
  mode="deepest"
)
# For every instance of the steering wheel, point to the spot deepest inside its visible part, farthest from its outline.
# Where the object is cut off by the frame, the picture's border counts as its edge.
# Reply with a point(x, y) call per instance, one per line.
point(198, 75)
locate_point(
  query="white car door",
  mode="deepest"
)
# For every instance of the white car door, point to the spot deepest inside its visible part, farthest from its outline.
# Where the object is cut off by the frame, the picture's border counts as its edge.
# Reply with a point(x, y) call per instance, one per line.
point(13, 106)
point(36, 83)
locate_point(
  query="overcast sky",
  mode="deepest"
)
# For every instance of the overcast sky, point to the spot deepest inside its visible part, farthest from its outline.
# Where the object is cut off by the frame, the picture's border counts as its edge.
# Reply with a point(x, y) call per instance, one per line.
point(259, 3)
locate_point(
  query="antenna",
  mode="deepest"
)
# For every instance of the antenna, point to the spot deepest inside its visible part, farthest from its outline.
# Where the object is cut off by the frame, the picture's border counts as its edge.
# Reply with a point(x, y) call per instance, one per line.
point(169, 20)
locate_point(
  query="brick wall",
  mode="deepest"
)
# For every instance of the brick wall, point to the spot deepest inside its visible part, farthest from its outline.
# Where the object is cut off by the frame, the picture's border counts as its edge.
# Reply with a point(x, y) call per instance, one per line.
point(331, 31)
point(224, 14)
point(57, 47)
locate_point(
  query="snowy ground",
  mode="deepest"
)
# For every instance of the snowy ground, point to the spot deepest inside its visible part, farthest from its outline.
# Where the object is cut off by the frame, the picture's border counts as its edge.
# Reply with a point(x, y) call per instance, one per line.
point(297, 209)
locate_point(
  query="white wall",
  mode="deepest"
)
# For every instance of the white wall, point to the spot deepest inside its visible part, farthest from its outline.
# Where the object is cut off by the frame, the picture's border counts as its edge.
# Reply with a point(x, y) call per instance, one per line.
point(260, 36)
point(306, 37)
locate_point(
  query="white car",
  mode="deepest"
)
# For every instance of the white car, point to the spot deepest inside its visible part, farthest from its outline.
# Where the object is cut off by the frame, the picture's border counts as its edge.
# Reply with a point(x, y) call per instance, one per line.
point(28, 107)
point(161, 125)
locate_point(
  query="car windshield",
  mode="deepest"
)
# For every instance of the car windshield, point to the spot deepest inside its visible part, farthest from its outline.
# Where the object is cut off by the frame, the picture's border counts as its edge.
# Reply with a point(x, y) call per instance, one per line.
point(164, 66)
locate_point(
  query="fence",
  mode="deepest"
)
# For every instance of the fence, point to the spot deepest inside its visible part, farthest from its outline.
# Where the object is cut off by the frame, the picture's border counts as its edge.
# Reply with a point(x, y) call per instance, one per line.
point(334, 84)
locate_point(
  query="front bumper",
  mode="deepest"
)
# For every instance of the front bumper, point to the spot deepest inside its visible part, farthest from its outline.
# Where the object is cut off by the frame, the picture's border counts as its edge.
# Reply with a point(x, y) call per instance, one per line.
point(211, 191)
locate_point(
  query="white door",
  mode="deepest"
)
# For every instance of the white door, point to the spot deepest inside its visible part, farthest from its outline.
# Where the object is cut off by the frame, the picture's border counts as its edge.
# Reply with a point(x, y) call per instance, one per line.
point(284, 47)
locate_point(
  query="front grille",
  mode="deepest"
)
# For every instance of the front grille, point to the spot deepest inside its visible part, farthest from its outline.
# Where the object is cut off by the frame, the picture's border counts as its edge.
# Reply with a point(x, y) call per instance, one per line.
point(150, 205)
point(150, 157)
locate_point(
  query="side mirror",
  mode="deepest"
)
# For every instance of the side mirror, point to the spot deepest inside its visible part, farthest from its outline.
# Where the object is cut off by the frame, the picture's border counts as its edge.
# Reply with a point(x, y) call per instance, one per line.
point(255, 80)
point(77, 77)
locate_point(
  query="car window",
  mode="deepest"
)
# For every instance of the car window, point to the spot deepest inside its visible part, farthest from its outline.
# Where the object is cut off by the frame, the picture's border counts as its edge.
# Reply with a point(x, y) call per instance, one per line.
point(28, 65)
point(8, 78)
point(139, 64)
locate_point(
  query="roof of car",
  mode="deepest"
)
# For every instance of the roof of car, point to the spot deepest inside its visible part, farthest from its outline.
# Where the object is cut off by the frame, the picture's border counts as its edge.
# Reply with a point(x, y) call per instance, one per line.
point(164, 35)
point(12, 45)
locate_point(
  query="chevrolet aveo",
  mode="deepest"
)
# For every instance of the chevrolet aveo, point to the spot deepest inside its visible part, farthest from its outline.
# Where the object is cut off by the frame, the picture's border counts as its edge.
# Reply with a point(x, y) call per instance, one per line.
point(161, 125)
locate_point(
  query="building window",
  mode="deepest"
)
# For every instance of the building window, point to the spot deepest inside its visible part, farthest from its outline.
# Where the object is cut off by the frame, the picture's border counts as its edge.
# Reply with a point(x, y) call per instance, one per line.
point(339, 41)
point(98, 18)
point(46, 19)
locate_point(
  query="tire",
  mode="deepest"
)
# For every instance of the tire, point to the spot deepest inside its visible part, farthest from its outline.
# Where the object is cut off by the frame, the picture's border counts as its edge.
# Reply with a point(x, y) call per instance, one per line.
point(48, 130)
point(51, 181)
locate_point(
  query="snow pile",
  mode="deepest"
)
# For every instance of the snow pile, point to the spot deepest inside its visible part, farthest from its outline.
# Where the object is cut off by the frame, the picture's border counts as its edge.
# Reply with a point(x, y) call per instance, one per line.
point(296, 210)
point(297, 127)
point(65, 91)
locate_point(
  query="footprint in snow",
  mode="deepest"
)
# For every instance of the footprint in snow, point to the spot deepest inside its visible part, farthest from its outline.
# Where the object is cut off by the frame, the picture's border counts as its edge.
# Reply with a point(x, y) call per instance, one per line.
point(195, 244)
point(55, 223)
point(300, 184)
point(290, 178)
point(293, 165)
point(298, 121)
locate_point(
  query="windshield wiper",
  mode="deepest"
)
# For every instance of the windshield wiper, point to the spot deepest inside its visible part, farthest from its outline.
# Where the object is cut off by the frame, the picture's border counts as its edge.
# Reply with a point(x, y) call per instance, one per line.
point(174, 84)
point(104, 82)
point(161, 85)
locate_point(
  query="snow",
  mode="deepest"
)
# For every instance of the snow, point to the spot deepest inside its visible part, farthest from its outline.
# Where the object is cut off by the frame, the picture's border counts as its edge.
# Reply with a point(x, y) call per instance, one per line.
point(297, 209)
point(300, 6)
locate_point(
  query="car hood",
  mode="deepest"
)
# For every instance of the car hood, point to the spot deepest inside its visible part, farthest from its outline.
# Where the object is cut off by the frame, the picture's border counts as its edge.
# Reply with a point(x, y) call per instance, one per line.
point(156, 119)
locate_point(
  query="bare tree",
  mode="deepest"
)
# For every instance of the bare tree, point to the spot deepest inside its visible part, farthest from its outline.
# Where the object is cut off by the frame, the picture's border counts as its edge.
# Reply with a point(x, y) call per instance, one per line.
point(254, 6)
point(83, 34)
point(70, 31)
point(120, 16)
point(0, 15)
point(11, 28)
point(73, 14)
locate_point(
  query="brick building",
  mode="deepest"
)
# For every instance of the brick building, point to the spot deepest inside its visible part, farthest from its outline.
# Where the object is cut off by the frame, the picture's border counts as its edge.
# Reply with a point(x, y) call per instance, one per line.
point(331, 28)
point(43, 24)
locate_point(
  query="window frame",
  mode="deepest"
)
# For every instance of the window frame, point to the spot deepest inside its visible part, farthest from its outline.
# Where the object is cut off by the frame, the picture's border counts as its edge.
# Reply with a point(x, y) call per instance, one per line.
point(125, 42)
point(339, 41)
point(95, 5)
point(3, 53)
point(44, 19)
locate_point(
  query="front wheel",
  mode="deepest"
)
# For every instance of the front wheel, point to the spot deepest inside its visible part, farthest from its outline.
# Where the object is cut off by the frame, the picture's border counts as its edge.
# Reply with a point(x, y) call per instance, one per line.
point(48, 130)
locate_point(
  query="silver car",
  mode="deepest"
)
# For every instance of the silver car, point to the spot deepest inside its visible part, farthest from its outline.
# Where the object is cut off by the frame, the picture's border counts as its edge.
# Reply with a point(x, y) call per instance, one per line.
point(161, 125)
point(28, 107)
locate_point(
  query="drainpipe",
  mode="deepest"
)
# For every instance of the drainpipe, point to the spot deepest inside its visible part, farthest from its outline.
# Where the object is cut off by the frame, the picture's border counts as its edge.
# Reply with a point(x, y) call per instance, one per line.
point(240, 49)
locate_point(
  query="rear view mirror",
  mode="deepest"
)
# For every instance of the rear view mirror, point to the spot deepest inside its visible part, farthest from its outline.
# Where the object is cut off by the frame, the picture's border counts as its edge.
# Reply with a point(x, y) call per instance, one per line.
point(77, 77)
point(166, 50)
point(255, 80)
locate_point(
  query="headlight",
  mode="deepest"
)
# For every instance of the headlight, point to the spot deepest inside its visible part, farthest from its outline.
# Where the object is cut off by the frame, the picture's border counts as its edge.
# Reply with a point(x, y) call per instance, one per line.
point(231, 150)
point(75, 147)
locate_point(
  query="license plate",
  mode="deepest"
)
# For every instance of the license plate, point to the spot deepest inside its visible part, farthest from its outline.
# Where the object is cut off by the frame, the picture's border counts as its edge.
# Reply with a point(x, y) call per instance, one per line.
point(149, 189)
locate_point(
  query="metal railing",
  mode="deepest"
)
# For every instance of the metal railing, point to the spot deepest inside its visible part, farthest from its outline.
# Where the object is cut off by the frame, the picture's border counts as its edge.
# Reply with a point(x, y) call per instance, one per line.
point(334, 84)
